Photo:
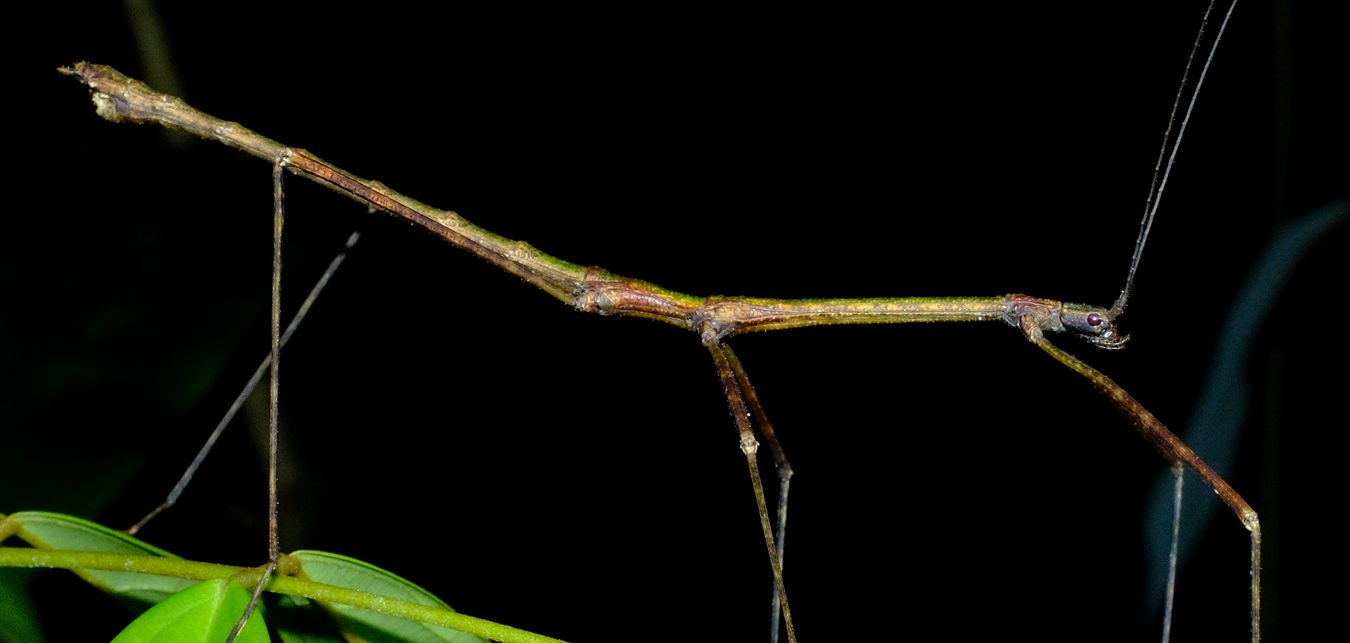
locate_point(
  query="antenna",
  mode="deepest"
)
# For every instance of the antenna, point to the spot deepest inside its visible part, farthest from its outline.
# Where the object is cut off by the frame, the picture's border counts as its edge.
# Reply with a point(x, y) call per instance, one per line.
point(1162, 171)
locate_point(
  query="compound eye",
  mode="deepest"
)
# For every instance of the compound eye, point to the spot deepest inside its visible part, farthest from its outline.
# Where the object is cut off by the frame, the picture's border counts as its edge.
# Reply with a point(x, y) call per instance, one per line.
point(1085, 320)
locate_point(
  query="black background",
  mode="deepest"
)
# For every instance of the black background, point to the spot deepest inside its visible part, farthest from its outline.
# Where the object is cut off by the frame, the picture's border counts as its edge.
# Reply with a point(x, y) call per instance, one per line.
point(579, 476)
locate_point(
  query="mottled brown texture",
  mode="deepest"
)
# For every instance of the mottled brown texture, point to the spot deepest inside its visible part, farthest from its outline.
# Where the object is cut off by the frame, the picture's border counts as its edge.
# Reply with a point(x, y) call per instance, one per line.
point(1170, 446)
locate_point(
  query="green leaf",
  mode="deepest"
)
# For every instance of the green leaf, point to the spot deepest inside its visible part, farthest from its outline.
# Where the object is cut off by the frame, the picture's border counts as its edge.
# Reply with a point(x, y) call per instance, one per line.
point(364, 625)
point(395, 609)
point(205, 612)
point(296, 619)
point(57, 531)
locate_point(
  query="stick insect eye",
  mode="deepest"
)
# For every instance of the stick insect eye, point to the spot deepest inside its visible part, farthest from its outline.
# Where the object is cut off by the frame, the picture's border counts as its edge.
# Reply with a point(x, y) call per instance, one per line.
point(1093, 324)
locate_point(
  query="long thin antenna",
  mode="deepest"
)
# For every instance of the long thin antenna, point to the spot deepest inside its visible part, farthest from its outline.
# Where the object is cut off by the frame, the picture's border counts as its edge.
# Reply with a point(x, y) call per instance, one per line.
point(1161, 172)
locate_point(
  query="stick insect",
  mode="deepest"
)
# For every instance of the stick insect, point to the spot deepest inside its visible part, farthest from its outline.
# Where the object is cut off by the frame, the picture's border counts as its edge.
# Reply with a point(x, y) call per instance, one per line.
point(580, 406)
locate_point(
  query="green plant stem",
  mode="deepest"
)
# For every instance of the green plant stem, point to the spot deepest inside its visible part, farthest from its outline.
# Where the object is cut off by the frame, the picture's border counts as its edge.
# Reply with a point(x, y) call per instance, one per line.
point(193, 570)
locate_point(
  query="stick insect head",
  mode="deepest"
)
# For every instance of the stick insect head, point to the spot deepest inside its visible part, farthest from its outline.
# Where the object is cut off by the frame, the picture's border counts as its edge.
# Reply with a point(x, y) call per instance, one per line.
point(1096, 325)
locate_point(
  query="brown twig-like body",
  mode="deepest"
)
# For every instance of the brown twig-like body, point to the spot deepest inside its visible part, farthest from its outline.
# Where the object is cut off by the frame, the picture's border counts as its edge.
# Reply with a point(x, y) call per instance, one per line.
point(122, 99)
